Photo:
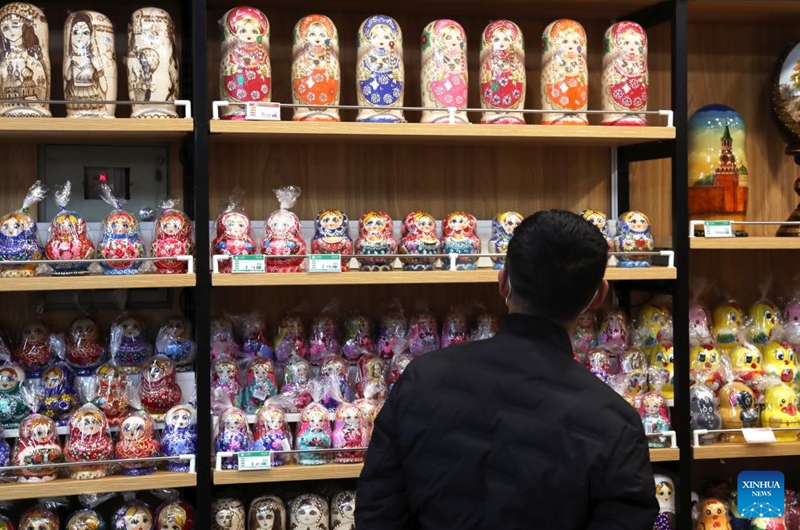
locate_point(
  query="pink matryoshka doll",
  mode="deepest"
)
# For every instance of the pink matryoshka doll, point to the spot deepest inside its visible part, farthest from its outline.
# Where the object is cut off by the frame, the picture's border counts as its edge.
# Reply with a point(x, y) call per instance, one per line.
point(159, 391)
point(272, 433)
point(459, 237)
point(503, 226)
point(625, 80)
point(503, 73)
point(349, 431)
point(68, 240)
point(121, 238)
point(332, 236)
point(315, 69)
point(233, 236)
point(85, 348)
point(137, 440)
point(173, 238)
point(444, 75)
point(283, 234)
point(376, 237)
point(455, 328)
point(225, 380)
point(89, 440)
point(371, 378)
point(419, 238)
point(423, 333)
point(18, 237)
point(37, 444)
point(565, 77)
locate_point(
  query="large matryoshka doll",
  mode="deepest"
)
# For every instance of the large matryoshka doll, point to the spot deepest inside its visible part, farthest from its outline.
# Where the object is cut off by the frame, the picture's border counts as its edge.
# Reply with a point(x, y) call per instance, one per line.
point(633, 234)
point(233, 232)
point(565, 76)
point(68, 238)
point(267, 513)
point(137, 439)
point(419, 238)
point(625, 80)
point(445, 72)
point(459, 237)
point(332, 236)
point(24, 61)
point(121, 238)
point(18, 239)
point(380, 77)
point(315, 69)
point(152, 63)
point(503, 73)
point(503, 226)
point(159, 391)
point(245, 70)
point(283, 234)
point(376, 237)
point(665, 495)
point(173, 238)
point(90, 65)
point(309, 512)
point(600, 220)
point(88, 440)
point(37, 444)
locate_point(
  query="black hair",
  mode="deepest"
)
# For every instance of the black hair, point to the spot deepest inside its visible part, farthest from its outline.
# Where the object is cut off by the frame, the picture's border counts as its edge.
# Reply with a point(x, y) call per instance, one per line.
point(556, 261)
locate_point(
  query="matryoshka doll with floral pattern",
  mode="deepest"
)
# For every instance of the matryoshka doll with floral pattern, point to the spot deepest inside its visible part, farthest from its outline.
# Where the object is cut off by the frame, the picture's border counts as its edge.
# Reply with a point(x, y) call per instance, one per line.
point(85, 348)
point(40, 518)
point(332, 236)
point(12, 407)
point(419, 238)
point(290, 337)
point(380, 76)
point(376, 237)
point(392, 328)
point(654, 413)
point(357, 338)
point(445, 73)
point(133, 515)
point(283, 234)
point(68, 238)
point(314, 433)
point(159, 391)
point(503, 226)
point(324, 338)
point(625, 80)
point(296, 383)
point(349, 432)
point(503, 73)
point(315, 69)
point(60, 397)
point(134, 347)
point(272, 433)
point(459, 237)
point(120, 238)
point(179, 436)
point(371, 381)
point(565, 76)
point(233, 435)
point(88, 440)
point(173, 238)
point(245, 70)
point(260, 385)
point(633, 234)
point(34, 351)
point(18, 237)
point(423, 333)
point(174, 341)
point(137, 439)
point(37, 444)
point(111, 391)
point(233, 234)
point(369, 408)
point(225, 386)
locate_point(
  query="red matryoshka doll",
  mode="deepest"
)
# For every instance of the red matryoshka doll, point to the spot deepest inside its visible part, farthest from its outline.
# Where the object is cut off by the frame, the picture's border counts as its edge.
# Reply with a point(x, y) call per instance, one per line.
point(445, 73)
point(376, 237)
point(121, 238)
point(315, 69)
point(18, 237)
point(267, 513)
point(175, 515)
point(34, 351)
point(332, 236)
point(68, 238)
point(111, 392)
point(455, 329)
point(625, 80)
point(371, 378)
point(598, 362)
point(40, 518)
point(423, 333)
point(503, 226)
point(233, 236)
point(503, 73)
point(137, 439)
point(159, 391)
point(370, 409)
point(37, 444)
point(85, 348)
point(283, 234)
point(398, 366)
point(133, 515)
point(565, 76)
point(419, 238)
point(459, 237)
point(60, 397)
point(349, 431)
point(173, 238)
point(225, 380)
point(290, 338)
point(380, 76)
point(88, 440)
point(357, 336)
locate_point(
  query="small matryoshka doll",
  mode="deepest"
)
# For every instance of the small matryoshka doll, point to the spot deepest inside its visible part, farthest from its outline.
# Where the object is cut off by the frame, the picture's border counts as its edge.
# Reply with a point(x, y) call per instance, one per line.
point(60, 397)
point(343, 510)
point(68, 238)
point(357, 339)
point(459, 237)
point(704, 367)
point(332, 236)
point(134, 346)
point(89, 440)
point(333, 373)
point(24, 61)
point(37, 444)
point(392, 328)
point(225, 380)
point(423, 333)
point(633, 233)
point(272, 433)
point(713, 514)
point(245, 70)
point(703, 413)
point(233, 435)
point(737, 408)
point(600, 220)
point(18, 236)
point(399, 364)
point(12, 406)
point(727, 322)
point(455, 328)
point(487, 325)
point(746, 364)
point(503, 73)
point(175, 515)
point(324, 338)
point(152, 63)
point(315, 69)
point(173, 238)
point(665, 495)
point(371, 378)
point(174, 341)
point(419, 238)
point(308, 512)
point(625, 80)
point(654, 413)
point(779, 361)
point(121, 238)
point(699, 325)
point(111, 392)
point(40, 518)
point(662, 357)
point(86, 520)
point(565, 76)
point(380, 76)
point(222, 339)
point(349, 432)
point(267, 513)
point(370, 409)
point(584, 336)
point(612, 333)
point(376, 237)
point(133, 515)
point(137, 440)
point(633, 366)
point(179, 436)
point(290, 338)
point(296, 382)
point(260, 385)
point(503, 226)
point(90, 65)
point(314, 433)
point(34, 352)
point(227, 514)
point(233, 236)
point(159, 391)
point(283, 234)
point(445, 72)
point(85, 348)
point(252, 328)
point(598, 362)
point(781, 411)
point(764, 317)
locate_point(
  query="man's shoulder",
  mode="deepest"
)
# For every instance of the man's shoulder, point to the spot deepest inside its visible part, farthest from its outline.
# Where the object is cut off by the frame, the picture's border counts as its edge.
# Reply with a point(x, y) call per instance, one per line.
point(600, 405)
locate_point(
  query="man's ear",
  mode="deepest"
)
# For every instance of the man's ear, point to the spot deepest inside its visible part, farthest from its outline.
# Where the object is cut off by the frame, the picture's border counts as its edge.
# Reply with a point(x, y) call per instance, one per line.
point(600, 296)
point(502, 283)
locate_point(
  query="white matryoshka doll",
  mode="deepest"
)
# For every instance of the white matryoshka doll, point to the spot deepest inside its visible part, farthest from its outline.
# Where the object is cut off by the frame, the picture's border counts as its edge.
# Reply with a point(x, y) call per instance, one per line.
point(503, 226)
point(315, 69)
point(227, 514)
point(380, 77)
point(267, 513)
point(245, 71)
point(503, 73)
point(665, 495)
point(90, 65)
point(309, 512)
point(565, 77)
point(343, 510)
point(152, 63)
point(24, 61)
point(625, 81)
point(444, 75)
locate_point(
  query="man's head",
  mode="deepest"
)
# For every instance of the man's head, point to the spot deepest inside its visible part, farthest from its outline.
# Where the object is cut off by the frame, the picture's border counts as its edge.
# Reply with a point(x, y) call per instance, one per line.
point(555, 266)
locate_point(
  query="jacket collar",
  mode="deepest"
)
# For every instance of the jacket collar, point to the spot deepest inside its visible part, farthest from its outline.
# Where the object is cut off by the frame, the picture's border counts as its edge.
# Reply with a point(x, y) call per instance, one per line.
point(537, 328)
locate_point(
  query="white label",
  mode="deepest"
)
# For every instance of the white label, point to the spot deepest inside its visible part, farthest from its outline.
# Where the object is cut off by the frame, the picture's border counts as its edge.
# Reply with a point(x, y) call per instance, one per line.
point(285, 445)
point(759, 435)
point(252, 460)
point(260, 394)
point(264, 111)
point(325, 263)
point(248, 263)
point(718, 228)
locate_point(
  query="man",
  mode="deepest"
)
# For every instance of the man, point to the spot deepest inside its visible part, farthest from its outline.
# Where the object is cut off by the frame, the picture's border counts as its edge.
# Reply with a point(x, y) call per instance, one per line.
point(511, 433)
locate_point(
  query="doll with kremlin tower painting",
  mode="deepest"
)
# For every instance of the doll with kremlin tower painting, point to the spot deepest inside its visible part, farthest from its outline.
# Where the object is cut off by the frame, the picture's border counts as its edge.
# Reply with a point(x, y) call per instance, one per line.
point(565, 77)
point(444, 75)
point(24, 61)
point(625, 80)
point(503, 73)
point(315, 69)
point(245, 71)
point(380, 78)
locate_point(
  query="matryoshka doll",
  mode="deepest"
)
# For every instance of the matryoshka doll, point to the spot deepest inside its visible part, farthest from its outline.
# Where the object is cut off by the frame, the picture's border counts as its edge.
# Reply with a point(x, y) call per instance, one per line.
point(222, 339)
point(314, 433)
point(703, 413)
point(173, 238)
point(699, 325)
point(779, 361)
point(349, 432)
point(174, 341)
point(503, 73)
point(90, 65)
point(376, 237)
point(333, 373)
point(260, 385)
point(290, 337)
point(225, 384)
point(245, 70)
point(727, 322)
point(308, 512)
point(85, 348)
point(503, 226)
point(487, 324)
point(459, 237)
point(5, 453)
point(175, 515)
point(324, 336)
point(227, 514)
point(357, 339)
point(625, 80)
point(704, 367)
point(60, 397)
point(40, 518)
point(399, 364)
point(152, 63)
point(598, 362)
point(662, 357)
point(445, 73)
point(665, 495)
point(332, 236)
point(283, 234)
point(86, 519)
point(565, 76)
point(233, 435)
point(419, 238)
point(111, 392)
point(423, 333)
point(252, 328)
point(371, 381)
point(781, 411)
point(120, 239)
point(134, 347)
point(267, 513)
point(233, 236)
point(272, 433)
point(137, 439)
point(600, 220)
point(343, 510)
point(296, 379)
point(315, 69)
point(654, 413)
point(713, 514)
point(89, 440)
point(455, 328)
point(37, 444)
point(24, 61)
point(34, 352)
point(633, 234)
point(133, 515)
point(633, 366)
point(159, 391)
point(18, 237)
point(612, 333)
point(764, 317)
point(380, 76)
point(12, 406)
point(68, 238)
point(737, 408)
point(179, 436)
point(392, 329)
point(584, 336)
point(370, 409)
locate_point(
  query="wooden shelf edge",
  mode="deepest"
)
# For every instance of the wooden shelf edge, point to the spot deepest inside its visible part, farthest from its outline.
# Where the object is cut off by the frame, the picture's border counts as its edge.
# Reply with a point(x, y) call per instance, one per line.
point(289, 473)
point(72, 283)
point(744, 450)
point(65, 486)
point(667, 454)
point(744, 243)
point(15, 128)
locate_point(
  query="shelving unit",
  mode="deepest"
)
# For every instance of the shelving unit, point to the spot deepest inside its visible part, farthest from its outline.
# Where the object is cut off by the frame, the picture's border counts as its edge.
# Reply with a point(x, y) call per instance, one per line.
point(744, 243)
point(79, 283)
point(289, 473)
point(667, 454)
point(93, 129)
point(744, 450)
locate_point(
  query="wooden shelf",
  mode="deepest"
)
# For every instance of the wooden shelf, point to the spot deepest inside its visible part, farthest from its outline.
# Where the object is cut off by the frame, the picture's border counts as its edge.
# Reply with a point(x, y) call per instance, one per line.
point(82, 283)
point(590, 135)
point(162, 479)
point(744, 450)
point(745, 243)
point(289, 473)
point(94, 129)
point(667, 454)
point(786, 11)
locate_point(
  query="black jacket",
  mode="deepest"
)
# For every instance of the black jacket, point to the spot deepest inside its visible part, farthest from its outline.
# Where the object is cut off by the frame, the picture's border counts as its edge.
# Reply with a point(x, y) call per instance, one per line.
point(509, 433)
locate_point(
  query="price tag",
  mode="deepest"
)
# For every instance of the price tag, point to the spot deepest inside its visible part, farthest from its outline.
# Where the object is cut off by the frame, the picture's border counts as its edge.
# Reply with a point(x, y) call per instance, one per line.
point(759, 435)
point(263, 111)
point(252, 460)
point(248, 263)
point(325, 263)
point(260, 394)
point(718, 229)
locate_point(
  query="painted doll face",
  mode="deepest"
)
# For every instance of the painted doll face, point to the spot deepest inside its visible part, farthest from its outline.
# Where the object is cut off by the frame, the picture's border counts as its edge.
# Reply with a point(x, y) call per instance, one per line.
point(275, 422)
point(458, 223)
point(631, 43)
point(171, 226)
point(510, 223)
point(8, 378)
point(131, 328)
point(375, 226)
point(316, 420)
point(281, 224)
point(261, 372)
point(265, 519)
point(236, 225)
point(501, 39)
point(352, 416)
point(89, 425)
point(452, 38)
point(597, 220)
point(651, 407)
point(426, 225)
point(140, 520)
point(294, 325)
point(317, 35)
point(84, 330)
point(120, 224)
point(181, 418)
point(224, 518)
point(234, 422)
point(664, 495)
point(12, 29)
point(133, 429)
point(571, 42)
point(638, 223)
point(81, 35)
point(248, 31)
point(376, 370)
point(177, 328)
point(13, 227)
point(331, 221)
point(35, 333)
point(308, 514)
point(381, 37)
point(53, 377)
point(586, 320)
point(67, 225)
point(226, 371)
point(42, 433)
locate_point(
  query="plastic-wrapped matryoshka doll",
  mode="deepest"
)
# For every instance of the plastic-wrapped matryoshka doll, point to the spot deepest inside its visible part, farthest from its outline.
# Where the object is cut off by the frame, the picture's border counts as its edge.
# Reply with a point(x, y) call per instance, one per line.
point(252, 329)
point(267, 513)
point(633, 234)
point(324, 337)
point(392, 328)
point(737, 409)
point(37, 444)
point(121, 238)
point(34, 350)
point(245, 70)
point(89, 440)
point(174, 341)
point(727, 322)
point(371, 378)
point(503, 226)
point(12, 406)
point(137, 439)
point(713, 514)
point(380, 76)
point(584, 336)
point(111, 392)
point(703, 413)
point(763, 318)
point(85, 348)
point(779, 361)
point(665, 495)
point(134, 346)
point(376, 237)
point(222, 339)
point(503, 73)
point(423, 333)
point(315, 69)
point(349, 432)
point(133, 515)
point(600, 220)
point(487, 325)
point(225, 384)
point(272, 433)
point(633, 366)
point(333, 373)
point(343, 510)
point(314, 433)
point(565, 76)
point(455, 328)
point(227, 514)
point(625, 80)
point(612, 333)
point(296, 379)
point(655, 417)
point(60, 397)
point(419, 238)
point(370, 409)
point(173, 238)
point(357, 338)
point(5, 454)
point(18, 237)
point(308, 512)
point(233, 234)
point(445, 72)
point(260, 385)
point(283, 234)
point(598, 362)
point(159, 391)
point(40, 518)
point(68, 238)
point(332, 236)
point(175, 515)
point(24, 62)
point(781, 411)
point(86, 519)
point(233, 435)
point(459, 237)
point(290, 338)
point(179, 436)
